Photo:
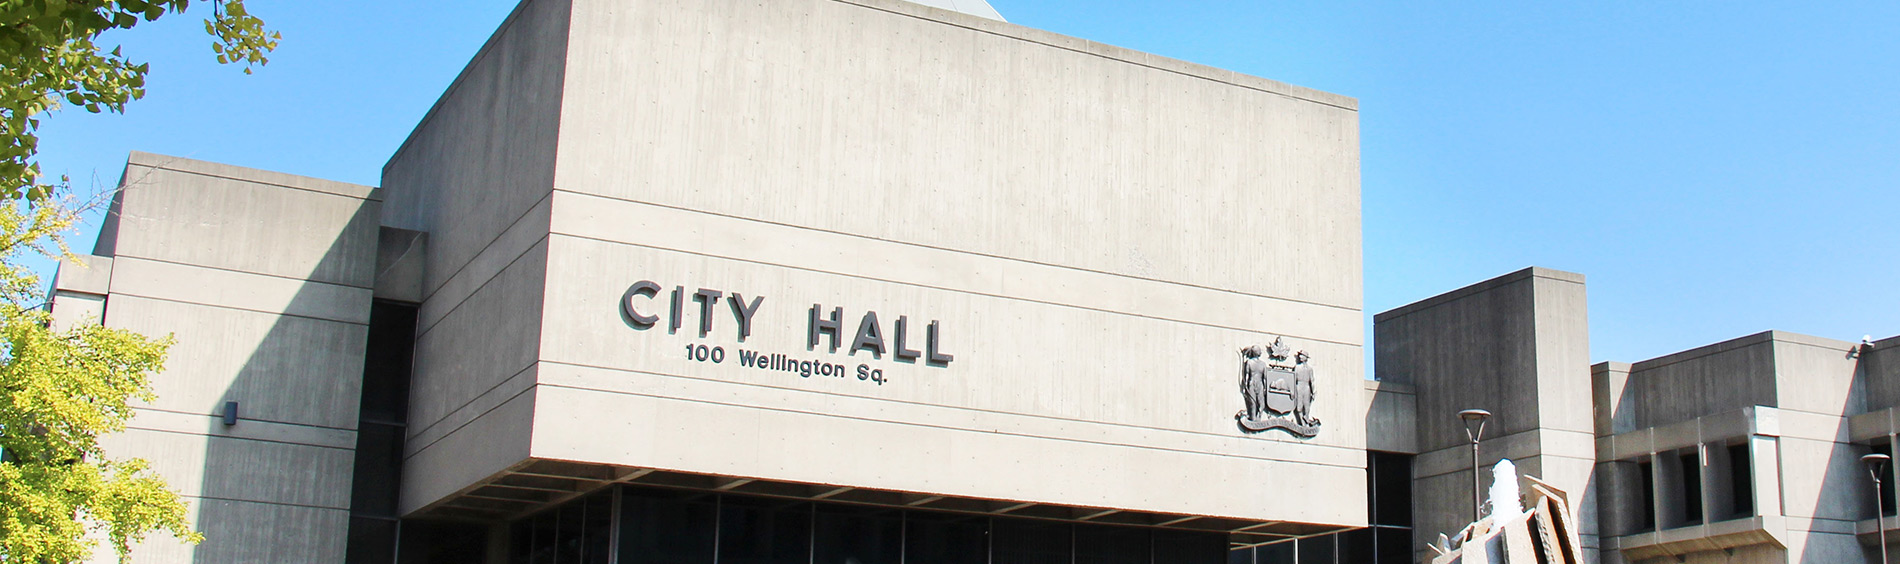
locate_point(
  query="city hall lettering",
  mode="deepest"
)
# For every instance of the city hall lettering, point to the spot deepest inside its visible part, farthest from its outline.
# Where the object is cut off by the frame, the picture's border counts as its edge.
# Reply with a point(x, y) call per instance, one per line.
point(826, 328)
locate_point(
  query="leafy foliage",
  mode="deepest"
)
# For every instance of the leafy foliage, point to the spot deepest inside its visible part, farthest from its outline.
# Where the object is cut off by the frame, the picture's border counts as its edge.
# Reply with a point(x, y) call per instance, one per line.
point(49, 56)
point(60, 390)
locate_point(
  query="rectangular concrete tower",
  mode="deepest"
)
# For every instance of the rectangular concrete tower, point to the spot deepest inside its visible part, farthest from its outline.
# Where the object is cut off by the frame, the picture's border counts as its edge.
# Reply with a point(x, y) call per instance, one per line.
point(1517, 346)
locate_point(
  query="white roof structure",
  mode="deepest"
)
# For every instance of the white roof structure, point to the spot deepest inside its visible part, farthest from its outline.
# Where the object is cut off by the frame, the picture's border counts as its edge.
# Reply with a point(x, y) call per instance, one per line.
point(978, 8)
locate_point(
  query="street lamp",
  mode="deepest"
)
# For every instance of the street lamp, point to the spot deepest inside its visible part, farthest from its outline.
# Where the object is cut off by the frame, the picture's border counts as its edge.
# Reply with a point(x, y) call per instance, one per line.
point(1474, 428)
point(1876, 464)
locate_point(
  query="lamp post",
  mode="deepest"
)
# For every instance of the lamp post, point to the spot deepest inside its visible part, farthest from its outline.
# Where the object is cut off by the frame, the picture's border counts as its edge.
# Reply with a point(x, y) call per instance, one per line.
point(1474, 428)
point(1876, 464)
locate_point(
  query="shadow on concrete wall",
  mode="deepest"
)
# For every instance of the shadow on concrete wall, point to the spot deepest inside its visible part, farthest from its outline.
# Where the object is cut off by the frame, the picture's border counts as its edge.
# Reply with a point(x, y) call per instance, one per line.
point(300, 367)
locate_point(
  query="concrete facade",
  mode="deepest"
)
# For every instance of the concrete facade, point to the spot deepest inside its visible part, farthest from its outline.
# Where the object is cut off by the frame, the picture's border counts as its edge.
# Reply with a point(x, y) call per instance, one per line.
point(1014, 214)
point(264, 314)
point(1517, 346)
point(994, 273)
point(833, 177)
point(1746, 450)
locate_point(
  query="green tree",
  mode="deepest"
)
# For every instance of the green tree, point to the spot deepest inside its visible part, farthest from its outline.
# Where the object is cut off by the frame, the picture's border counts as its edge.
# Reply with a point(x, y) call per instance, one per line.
point(63, 388)
point(60, 389)
point(49, 55)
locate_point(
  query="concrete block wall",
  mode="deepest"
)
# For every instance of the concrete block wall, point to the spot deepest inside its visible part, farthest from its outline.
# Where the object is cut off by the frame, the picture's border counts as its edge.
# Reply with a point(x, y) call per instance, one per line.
point(1517, 346)
point(265, 280)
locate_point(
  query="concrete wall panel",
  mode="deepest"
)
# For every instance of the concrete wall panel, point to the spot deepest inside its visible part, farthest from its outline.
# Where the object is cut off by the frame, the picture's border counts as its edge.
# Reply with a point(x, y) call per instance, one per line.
point(1078, 364)
point(242, 532)
point(1881, 367)
point(486, 445)
point(242, 470)
point(283, 369)
point(1823, 480)
point(817, 448)
point(1392, 412)
point(849, 117)
point(483, 341)
point(485, 153)
point(1713, 379)
point(1816, 375)
point(197, 213)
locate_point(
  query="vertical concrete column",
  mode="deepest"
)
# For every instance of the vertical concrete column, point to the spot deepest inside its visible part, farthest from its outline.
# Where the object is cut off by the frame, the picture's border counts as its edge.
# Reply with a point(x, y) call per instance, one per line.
point(1766, 452)
point(1517, 346)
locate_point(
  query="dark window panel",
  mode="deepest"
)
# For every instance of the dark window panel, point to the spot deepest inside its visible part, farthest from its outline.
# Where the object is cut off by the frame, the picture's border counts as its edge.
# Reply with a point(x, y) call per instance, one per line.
point(946, 538)
point(376, 478)
point(764, 531)
point(568, 540)
point(1395, 546)
point(1103, 544)
point(660, 526)
point(1239, 556)
point(1356, 546)
point(520, 541)
point(1391, 477)
point(1189, 547)
point(1691, 500)
point(1024, 541)
point(1283, 552)
point(597, 529)
point(371, 541)
point(430, 542)
point(1646, 514)
point(1319, 550)
point(546, 529)
point(843, 534)
point(386, 362)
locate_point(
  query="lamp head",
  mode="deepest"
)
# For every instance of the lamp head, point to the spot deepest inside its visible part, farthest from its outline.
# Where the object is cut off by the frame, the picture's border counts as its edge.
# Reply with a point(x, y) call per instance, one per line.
point(1474, 422)
point(1875, 461)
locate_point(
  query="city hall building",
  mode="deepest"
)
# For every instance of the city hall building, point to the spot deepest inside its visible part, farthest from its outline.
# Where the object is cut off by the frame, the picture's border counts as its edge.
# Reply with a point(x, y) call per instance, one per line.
point(870, 281)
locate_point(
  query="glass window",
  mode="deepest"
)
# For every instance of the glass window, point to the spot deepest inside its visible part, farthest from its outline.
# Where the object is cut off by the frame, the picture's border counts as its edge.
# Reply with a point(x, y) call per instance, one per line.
point(1691, 499)
point(371, 540)
point(386, 362)
point(570, 532)
point(1355, 546)
point(764, 531)
point(1283, 552)
point(1319, 550)
point(545, 529)
point(1103, 544)
point(1390, 488)
point(946, 538)
point(843, 534)
point(1188, 547)
point(1646, 513)
point(432, 542)
point(659, 526)
point(1026, 541)
point(1240, 556)
point(378, 469)
point(597, 528)
point(1395, 545)
point(520, 541)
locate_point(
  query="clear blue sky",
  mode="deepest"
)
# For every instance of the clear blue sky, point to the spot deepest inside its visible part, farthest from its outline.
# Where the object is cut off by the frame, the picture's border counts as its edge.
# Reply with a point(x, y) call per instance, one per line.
point(1715, 170)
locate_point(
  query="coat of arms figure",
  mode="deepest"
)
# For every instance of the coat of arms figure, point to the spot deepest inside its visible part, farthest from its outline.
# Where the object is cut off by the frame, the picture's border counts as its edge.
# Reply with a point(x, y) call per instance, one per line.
point(1276, 386)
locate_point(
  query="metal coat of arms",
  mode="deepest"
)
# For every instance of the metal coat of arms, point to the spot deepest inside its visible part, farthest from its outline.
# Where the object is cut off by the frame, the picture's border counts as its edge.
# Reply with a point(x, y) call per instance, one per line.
point(1278, 394)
